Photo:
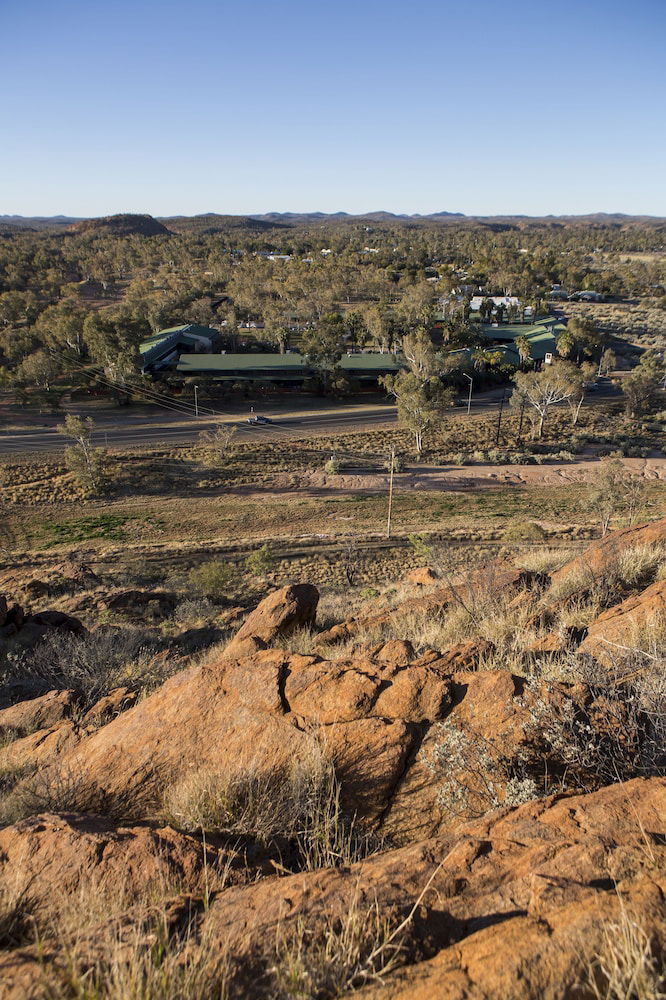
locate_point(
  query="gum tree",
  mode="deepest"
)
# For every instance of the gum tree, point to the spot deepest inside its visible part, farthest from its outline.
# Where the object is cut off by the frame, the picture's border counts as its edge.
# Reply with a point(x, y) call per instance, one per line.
point(543, 389)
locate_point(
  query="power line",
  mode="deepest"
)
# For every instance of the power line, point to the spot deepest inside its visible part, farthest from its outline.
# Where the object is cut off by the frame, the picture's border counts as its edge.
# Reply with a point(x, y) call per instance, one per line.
point(156, 398)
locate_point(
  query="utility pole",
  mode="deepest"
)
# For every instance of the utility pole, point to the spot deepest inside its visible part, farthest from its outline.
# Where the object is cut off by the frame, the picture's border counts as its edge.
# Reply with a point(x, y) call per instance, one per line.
point(196, 401)
point(469, 398)
point(499, 419)
point(390, 499)
point(520, 425)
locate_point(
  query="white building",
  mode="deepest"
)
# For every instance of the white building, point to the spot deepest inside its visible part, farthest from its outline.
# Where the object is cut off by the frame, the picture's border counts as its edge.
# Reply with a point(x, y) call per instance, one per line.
point(497, 300)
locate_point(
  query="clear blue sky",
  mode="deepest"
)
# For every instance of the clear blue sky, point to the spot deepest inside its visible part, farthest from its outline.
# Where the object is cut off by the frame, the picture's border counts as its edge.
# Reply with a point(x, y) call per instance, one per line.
point(181, 107)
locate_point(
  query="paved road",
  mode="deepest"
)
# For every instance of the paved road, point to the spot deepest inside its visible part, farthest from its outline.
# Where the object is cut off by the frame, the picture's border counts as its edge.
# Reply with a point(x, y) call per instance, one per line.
point(165, 429)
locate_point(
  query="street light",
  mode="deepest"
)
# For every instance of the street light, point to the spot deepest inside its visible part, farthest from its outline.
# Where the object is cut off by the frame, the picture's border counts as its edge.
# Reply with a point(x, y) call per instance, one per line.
point(196, 401)
point(469, 398)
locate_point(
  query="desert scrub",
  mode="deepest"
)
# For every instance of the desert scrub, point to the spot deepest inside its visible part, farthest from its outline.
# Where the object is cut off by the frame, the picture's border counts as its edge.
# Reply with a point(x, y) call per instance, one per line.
point(212, 579)
point(525, 531)
point(541, 560)
point(158, 959)
point(563, 748)
point(59, 788)
point(261, 561)
point(635, 567)
point(91, 665)
point(16, 910)
point(357, 947)
point(299, 804)
point(10, 778)
point(195, 610)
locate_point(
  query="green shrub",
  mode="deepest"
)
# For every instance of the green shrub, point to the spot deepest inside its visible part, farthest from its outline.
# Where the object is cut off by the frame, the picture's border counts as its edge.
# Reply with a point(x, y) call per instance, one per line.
point(211, 579)
point(260, 561)
point(420, 545)
point(527, 531)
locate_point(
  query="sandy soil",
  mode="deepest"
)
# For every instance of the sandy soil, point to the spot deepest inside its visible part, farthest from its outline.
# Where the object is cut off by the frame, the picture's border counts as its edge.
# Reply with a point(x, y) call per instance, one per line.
point(471, 476)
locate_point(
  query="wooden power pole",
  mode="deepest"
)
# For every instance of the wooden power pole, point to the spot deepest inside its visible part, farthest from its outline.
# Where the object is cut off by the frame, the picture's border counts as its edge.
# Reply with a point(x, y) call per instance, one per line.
point(499, 419)
point(390, 497)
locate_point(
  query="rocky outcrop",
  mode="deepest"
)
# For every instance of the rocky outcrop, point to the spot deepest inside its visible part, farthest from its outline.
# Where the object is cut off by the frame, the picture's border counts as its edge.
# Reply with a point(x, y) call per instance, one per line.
point(21, 630)
point(55, 855)
point(596, 558)
point(37, 713)
point(277, 616)
point(520, 904)
point(386, 726)
point(609, 637)
point(497, 578)
point(121, 225)
point(39, 748)
point(513, 906)
point(139, 603)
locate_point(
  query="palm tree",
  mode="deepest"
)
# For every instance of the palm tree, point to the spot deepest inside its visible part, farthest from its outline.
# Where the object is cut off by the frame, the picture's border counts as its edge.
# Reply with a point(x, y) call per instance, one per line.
point(524, 349)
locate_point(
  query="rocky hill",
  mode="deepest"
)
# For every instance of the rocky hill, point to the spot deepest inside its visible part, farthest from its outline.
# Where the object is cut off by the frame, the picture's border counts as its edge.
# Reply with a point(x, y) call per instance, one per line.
point(121, 225)
point(306, 811)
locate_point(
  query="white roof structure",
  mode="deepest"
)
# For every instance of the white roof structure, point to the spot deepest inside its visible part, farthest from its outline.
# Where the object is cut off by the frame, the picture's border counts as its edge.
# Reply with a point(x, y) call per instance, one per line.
point(497, 300)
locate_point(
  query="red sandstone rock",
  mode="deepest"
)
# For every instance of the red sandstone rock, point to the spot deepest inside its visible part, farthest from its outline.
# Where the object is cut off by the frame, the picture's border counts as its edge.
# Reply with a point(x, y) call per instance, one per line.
point(615, 631)
point(278, 615)
point(598, 556)
point(422, 577)
point(38, 713)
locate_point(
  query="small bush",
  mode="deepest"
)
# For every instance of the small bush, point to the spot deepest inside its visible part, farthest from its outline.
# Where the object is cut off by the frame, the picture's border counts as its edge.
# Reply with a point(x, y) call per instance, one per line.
point(261, 561)
point(420, 545)
point(528, 531)
point(211, 579)
point(332, 467)
point(195, 610)
point(53, 789)
point(640, 565)
point(91, 665)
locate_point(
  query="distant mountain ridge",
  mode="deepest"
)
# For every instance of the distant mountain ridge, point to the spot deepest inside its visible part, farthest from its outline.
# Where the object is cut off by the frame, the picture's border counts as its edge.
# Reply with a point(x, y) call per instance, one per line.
point(127, 224)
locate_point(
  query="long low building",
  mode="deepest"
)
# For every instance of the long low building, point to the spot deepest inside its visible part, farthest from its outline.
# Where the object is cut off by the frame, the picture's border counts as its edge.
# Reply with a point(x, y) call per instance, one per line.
point(161, 351)
point(282, 369)
point(542, 338)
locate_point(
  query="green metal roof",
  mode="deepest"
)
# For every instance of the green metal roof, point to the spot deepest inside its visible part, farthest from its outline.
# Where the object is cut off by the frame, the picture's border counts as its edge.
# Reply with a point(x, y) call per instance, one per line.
point(185, 332)
point(542, 337)
point(283, 364)
point(241, 362)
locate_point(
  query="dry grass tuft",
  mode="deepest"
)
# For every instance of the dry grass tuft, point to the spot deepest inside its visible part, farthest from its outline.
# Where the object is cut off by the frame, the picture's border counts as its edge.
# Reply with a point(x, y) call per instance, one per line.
point(151, 961)
point(361, 946)
point(300, 805)
point(544, 560)
point(628, 966)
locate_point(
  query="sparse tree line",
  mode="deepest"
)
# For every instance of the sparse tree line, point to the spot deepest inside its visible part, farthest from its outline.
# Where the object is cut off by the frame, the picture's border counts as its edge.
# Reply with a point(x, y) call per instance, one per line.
point(69, 302)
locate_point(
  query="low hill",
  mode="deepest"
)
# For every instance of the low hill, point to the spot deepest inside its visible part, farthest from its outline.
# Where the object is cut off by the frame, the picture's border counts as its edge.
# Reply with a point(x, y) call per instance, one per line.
point(211, 222)
point(121, 225)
